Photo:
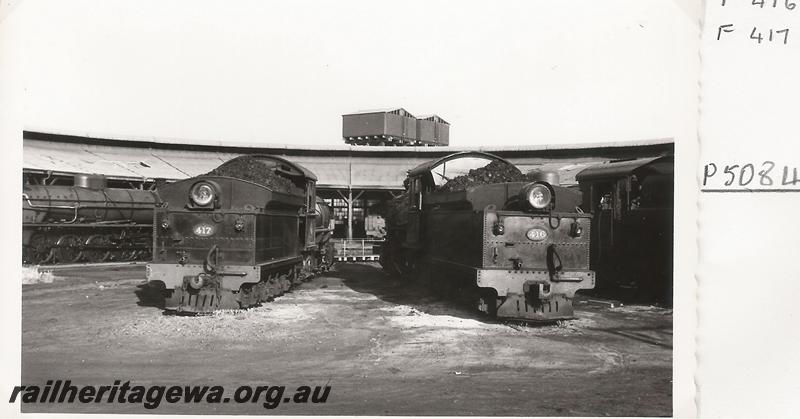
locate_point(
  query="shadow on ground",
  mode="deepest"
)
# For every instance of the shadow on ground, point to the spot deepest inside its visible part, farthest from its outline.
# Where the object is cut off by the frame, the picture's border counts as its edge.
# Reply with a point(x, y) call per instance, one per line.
point(150, 295)
point(371, 279)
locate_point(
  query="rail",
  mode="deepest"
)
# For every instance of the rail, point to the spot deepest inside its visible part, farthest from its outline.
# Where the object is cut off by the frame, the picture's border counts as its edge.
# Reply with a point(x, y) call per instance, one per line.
point(357, 250)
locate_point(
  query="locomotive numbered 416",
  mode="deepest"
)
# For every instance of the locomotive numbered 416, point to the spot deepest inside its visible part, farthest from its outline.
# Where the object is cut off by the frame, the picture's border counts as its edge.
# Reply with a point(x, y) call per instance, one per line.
point(516, 245)
point(240, 235)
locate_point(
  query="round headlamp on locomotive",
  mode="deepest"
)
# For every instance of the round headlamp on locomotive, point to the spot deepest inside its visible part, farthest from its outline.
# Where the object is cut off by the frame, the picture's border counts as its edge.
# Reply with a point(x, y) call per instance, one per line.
point(202, 194)
point(538, 195)
point(235, 237)
point(474, 223)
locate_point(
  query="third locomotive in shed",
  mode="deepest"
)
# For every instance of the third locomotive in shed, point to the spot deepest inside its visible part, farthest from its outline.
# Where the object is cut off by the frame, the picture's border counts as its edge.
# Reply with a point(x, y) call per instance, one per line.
point(632, 204)
point(515, 244)
point(86, 222)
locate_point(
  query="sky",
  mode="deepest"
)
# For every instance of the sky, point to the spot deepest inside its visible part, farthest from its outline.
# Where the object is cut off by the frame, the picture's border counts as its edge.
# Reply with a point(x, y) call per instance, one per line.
point(502, 73)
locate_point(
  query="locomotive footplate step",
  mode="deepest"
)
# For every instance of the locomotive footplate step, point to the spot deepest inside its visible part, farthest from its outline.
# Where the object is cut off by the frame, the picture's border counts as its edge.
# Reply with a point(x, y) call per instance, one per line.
point(523, 307)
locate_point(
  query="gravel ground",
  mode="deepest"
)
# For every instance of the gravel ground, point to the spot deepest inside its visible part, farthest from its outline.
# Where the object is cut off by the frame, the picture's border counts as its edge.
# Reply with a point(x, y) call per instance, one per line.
point(384, 347)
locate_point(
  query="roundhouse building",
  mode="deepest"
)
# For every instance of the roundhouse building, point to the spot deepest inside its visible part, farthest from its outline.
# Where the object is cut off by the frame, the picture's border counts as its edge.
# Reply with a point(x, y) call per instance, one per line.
point(355, 181)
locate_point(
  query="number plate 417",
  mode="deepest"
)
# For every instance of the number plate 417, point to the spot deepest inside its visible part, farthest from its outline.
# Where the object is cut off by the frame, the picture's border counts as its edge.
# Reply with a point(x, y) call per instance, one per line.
point(203, 230)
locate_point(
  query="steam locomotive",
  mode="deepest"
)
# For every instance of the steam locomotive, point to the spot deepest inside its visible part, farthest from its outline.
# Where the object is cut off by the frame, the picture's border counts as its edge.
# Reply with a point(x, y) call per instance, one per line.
point(87, 222)
point(240, 235)
point(515, 245)
point(632, 204)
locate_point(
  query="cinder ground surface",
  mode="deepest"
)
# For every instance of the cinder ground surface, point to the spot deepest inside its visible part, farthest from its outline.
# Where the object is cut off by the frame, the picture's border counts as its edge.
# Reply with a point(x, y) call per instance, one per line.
point(384, 347)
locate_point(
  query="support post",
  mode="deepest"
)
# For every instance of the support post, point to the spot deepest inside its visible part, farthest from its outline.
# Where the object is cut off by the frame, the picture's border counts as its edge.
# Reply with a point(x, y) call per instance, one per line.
point(349, 199)
point(349, 213)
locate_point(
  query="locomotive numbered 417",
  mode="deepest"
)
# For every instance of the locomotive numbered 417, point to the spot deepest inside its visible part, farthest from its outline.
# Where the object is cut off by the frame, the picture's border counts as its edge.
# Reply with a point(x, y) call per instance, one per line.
point(238, 236)
point(518, 249)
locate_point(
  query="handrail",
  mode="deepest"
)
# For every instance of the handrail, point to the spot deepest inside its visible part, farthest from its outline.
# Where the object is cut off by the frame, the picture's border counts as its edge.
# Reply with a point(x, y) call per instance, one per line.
point(78, 206)
point(356, 247)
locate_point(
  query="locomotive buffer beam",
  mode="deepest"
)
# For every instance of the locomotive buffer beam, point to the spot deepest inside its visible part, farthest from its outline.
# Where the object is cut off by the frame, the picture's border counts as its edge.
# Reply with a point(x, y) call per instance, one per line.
point(508, 281)
point(534, 295)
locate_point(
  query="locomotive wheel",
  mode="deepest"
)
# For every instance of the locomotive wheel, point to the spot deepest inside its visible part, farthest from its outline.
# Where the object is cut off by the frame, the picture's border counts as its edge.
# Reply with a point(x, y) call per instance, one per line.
point(305, 272)
point(285, 282)
point(113, 255)
point(141, 244)
point(251, 295)
point(488, 302)
point(389, 260)
point(39, 250)
point(68, 249)
point(120, 247)
point(274, 287)
point(129, 254)
point(96, 248)
point(330, 253)
point(311, 266)
point(145, 254)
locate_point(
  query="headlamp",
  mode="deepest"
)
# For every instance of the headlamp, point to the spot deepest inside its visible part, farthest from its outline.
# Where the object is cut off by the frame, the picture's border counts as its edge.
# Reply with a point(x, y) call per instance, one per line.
point(538, 195)
point(202, 194)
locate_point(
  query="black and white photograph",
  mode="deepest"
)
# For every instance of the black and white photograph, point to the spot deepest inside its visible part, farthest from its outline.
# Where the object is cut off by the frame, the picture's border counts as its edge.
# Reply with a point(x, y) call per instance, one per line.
point(314, 208)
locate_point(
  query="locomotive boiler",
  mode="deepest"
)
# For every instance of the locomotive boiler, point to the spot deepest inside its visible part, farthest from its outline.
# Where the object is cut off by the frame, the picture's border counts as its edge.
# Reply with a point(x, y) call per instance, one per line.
point(240, 235)
point(87, 222)
point(473, 225)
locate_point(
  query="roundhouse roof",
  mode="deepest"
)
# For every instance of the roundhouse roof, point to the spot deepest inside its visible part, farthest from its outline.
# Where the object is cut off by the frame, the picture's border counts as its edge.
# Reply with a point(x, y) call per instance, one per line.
point(357, 167)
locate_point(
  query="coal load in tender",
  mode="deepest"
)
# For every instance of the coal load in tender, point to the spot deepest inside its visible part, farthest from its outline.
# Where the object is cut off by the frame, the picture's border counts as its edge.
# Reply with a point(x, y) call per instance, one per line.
point(253, 170)
point(494, 172)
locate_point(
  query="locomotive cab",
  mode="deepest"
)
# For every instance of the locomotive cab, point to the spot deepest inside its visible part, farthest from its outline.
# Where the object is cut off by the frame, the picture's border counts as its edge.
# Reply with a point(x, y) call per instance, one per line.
point(516, 241)
point(236, 236)
point(633, 215)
